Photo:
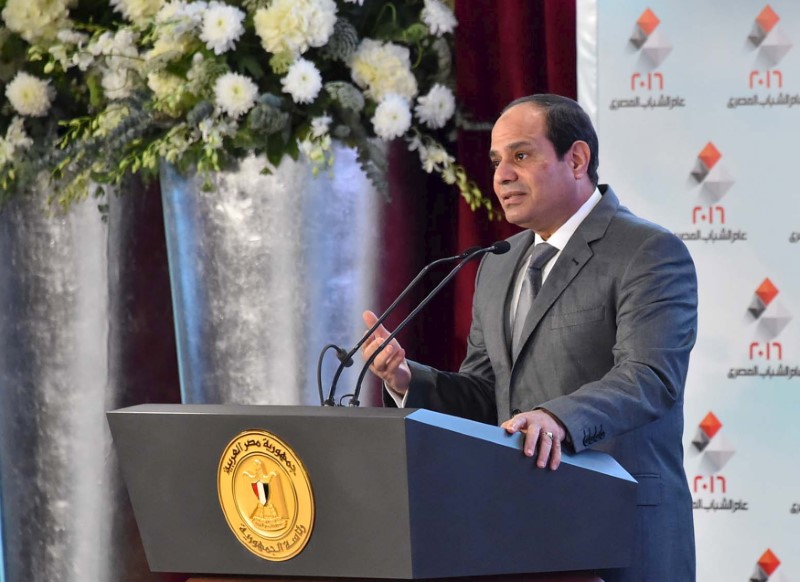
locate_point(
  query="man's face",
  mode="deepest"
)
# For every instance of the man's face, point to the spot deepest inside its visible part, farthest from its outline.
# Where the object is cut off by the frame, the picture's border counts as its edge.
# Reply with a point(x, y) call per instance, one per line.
point(536, 190)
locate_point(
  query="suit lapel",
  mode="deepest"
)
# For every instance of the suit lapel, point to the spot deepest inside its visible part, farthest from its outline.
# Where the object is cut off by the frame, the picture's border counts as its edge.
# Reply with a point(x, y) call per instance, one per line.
point(572, 259)
point(497, 330)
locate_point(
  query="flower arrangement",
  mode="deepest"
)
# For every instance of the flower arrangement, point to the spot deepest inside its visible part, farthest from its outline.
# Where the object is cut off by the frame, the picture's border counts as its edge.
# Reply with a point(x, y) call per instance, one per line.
point(96, 91)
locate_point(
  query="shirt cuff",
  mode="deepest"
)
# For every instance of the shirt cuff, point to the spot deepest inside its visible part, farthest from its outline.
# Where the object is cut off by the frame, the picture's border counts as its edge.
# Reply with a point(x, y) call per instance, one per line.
point(399, 400)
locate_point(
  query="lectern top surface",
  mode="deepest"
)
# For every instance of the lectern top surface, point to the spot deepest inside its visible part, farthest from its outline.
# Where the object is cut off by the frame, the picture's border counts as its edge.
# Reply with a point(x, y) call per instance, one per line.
point(590, 460)
point(266, 410)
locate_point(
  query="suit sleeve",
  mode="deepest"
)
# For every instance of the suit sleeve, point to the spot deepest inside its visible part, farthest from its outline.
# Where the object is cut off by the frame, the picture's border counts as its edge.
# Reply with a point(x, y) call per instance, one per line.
point(656, 327)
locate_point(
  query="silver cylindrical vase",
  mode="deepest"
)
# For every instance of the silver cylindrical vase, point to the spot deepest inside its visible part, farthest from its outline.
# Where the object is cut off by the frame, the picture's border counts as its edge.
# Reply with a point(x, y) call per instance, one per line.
point(65, 513)
point(266, 269)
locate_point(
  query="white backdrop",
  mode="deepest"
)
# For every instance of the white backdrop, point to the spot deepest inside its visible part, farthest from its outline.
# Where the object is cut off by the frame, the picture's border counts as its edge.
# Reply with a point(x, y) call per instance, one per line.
point(697, 107)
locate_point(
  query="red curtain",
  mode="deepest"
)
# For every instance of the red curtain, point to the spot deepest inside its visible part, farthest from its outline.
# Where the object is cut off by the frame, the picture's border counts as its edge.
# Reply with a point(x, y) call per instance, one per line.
point(504, 49)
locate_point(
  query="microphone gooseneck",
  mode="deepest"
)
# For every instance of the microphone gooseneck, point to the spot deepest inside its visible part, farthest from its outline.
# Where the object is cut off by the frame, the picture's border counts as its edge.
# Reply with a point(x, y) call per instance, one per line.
point(346, 357)
point(497, 248)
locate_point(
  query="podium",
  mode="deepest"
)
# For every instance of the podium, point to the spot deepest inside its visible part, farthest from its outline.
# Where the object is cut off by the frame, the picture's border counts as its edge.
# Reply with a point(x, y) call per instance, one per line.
point(399, 494)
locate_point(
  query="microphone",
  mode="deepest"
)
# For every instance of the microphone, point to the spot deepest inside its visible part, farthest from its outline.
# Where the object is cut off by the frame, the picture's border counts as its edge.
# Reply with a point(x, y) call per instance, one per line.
point(346, 358)
point(497, 248)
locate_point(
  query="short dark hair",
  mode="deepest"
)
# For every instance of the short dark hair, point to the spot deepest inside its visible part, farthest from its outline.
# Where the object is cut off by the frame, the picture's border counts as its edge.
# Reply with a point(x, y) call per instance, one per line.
point(566, 123)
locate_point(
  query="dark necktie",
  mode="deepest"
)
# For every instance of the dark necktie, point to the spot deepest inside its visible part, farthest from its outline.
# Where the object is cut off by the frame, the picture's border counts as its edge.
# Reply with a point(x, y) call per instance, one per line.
point(541, 254)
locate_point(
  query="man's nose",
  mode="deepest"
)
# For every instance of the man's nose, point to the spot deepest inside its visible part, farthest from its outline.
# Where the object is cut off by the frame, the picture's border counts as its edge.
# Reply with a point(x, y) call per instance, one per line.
point(504, 172)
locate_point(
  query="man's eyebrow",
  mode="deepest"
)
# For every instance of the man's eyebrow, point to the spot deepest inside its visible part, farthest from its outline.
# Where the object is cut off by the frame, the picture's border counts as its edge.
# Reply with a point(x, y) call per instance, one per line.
point(511, 146)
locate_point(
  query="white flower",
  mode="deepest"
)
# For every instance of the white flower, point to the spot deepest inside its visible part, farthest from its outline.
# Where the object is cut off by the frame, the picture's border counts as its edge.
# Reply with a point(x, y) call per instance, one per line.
point(164, 84)
point(121, 62)
point(449, 175)
point(320, 126)
point(382, 68)
point(181, 17)
point(118, 83)
point(110, 118)
point(235, 94)
point(196, 74)
point(437, 107)
point(69, 36)
point(318, 152)
point(119, 49)
point(6, 152)
point(222, 27)
point(435, 157)
point(82, 59)
point(137, 11)
point(392, 117)
point(16, 139)
point(439, 18)
point(213, 131)
point(16, 136)
point(30, 95)
point(37, 20)
point(415, 143)
point(303, 81)
point(194, 11)
point(292, 26)
point(102, 45)
point(71, 51)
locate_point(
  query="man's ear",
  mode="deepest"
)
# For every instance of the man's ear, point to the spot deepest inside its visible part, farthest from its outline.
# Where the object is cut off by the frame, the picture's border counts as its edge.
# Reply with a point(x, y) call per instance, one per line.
point(579, 156)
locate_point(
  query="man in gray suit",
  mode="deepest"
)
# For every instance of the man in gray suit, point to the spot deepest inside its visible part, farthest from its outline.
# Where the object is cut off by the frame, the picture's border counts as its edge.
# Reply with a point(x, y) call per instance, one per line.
point(598, 357)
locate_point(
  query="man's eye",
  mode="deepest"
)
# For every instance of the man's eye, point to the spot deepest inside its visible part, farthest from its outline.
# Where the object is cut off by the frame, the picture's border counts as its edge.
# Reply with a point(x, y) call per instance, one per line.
point(494, 164)
point(520, 156)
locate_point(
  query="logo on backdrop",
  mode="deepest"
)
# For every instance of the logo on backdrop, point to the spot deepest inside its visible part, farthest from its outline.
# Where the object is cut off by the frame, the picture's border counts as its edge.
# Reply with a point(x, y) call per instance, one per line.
point(649, 45)
point(712, 451)
point(769, 44)
point(768, 317)
point(766, 568)
point(709, 219)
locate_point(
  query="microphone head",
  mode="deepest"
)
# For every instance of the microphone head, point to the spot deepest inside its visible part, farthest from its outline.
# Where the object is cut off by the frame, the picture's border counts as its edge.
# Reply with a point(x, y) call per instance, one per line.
point(500, 247)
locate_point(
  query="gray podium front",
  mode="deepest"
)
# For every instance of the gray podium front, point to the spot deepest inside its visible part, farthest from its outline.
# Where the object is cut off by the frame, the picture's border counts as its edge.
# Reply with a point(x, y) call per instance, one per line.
point(399, 494)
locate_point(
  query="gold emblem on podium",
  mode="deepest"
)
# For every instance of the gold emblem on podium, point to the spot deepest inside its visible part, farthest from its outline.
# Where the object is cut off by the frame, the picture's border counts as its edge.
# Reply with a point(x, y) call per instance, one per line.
point(265, 495)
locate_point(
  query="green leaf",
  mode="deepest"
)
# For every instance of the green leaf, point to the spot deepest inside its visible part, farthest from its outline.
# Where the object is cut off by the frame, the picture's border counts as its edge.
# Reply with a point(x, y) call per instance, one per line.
point(275, 149)
point(252, 66)
point(95, 86)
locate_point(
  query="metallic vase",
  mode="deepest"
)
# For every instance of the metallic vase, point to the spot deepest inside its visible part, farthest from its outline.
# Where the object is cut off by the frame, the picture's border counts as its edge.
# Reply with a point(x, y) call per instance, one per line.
point(65, 514)
point(265, 271)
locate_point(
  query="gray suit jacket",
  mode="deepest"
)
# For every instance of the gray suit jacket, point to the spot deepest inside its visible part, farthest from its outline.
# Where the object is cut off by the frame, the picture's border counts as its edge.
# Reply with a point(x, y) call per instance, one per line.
point(606, 351)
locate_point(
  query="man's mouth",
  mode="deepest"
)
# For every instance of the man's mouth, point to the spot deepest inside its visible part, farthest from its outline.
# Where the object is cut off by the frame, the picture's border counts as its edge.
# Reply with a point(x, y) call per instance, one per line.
point(511, 196)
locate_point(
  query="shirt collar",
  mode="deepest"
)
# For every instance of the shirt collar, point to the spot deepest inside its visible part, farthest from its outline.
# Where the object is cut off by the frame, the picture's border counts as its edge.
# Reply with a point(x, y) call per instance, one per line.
point(563, 233)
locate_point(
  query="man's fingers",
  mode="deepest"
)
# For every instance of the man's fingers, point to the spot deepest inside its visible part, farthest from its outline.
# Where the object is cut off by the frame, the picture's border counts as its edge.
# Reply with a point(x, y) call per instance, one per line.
point(395, 356)
point(542, 437)
point(555, 456)
point(371, 319)
point(545, 446)
point(531, 438)
point(382, 360)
